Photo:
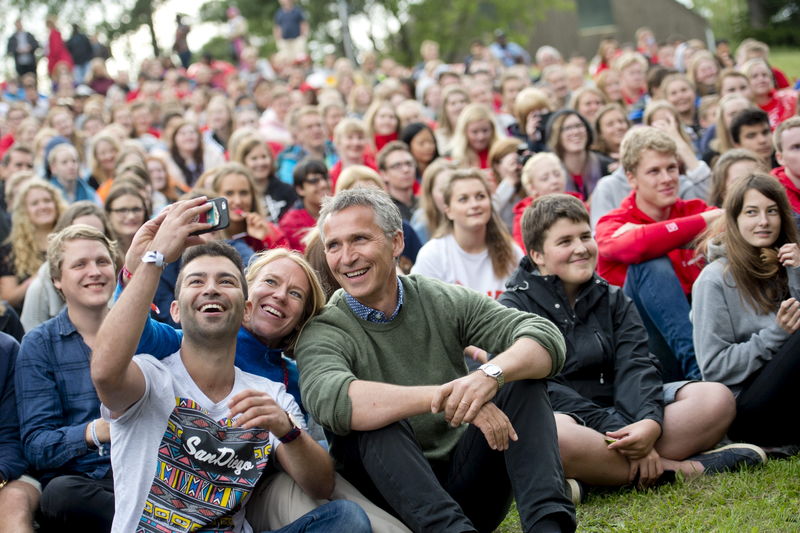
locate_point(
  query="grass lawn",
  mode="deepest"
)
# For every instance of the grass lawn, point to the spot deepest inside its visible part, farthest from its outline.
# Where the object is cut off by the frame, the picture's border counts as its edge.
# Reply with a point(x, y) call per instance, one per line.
point(765, 499)
point(786, 59)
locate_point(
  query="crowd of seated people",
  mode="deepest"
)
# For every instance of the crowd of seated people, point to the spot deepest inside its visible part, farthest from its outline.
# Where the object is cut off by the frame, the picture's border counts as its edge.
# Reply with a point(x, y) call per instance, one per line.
point(599, 256)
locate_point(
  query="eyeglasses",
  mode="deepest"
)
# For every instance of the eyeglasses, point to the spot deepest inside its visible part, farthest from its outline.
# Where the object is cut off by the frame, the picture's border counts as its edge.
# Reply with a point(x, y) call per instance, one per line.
point(127, 211)
point(574, 127)
point(400, 164)
point(315, 180)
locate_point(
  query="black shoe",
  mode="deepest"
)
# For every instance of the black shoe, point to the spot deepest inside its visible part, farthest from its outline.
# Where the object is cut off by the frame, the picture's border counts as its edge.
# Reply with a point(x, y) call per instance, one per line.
point(781, 452)
point(729, 458)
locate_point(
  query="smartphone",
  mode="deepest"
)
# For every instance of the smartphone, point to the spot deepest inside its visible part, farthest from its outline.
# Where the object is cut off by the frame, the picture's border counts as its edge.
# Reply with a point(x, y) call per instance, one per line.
point(217, 216)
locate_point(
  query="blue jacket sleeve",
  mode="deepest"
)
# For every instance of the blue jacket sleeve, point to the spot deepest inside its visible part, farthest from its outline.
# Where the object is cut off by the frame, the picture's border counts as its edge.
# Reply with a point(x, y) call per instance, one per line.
point(158, 339)
point(12, 460)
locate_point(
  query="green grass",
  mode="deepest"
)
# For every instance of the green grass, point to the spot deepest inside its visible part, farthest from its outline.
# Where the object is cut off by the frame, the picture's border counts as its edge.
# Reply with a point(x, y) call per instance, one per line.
point(761, 500)
point(786, 59)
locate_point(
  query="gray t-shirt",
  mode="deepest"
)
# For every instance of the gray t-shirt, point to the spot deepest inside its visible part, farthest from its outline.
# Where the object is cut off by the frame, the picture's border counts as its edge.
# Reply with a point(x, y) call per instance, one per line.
point(179, 465)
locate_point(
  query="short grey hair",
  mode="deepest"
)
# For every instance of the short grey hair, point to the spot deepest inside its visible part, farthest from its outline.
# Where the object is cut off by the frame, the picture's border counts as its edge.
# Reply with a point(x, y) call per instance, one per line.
point(387, 215)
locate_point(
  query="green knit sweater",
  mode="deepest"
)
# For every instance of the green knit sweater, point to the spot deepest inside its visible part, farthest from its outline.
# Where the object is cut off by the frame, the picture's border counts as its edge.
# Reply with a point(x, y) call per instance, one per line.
point(423, 345)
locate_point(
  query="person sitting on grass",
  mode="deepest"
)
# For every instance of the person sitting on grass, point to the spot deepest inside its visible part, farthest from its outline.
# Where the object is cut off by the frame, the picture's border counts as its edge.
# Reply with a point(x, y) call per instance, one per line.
point(746, 312)
point(617, 421)
point(66, 441)
point(644, 246)
point(195, 432)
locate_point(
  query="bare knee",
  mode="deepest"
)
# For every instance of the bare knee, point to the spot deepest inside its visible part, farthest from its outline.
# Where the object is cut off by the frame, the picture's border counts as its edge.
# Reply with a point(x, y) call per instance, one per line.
point(715, 399)
point(569, 438)
point(18, 501)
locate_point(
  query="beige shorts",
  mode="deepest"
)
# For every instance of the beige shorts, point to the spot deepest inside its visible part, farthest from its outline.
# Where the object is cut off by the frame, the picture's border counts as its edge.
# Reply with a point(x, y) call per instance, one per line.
point(279, 501)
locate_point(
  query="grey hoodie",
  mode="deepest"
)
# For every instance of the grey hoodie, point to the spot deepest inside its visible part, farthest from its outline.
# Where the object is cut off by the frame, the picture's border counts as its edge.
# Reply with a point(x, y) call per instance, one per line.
point(732, 340)
point(612, 189)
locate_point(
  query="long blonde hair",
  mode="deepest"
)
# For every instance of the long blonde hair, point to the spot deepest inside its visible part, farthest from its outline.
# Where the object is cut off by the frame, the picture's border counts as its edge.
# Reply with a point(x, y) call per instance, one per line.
point(460, 150)
point(316, 296)
point(27, 256)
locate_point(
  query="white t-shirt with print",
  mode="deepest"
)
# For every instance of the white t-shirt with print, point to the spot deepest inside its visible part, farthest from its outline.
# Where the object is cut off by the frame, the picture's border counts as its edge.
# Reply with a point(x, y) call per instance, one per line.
point(179, 464)
point(444, 259)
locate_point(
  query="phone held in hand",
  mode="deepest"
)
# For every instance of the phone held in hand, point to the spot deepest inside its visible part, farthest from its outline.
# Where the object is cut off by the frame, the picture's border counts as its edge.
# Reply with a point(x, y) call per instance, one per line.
point(217, 216)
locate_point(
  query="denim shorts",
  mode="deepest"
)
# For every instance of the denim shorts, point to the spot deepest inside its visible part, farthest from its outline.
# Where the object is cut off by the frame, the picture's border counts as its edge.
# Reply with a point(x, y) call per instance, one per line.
point(671, 390)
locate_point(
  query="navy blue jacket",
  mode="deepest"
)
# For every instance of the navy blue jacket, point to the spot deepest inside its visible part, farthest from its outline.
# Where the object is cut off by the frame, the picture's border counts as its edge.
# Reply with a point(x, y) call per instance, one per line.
point(12, 460)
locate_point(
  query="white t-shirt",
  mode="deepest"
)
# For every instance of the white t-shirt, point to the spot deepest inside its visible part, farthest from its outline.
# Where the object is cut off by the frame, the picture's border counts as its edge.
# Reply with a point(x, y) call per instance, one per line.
point(179, 465)
point(445, 260)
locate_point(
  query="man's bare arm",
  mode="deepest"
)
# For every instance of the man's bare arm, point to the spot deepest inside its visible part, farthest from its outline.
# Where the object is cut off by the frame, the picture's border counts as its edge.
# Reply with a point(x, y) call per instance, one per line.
point(118, 380)
point(375, 405)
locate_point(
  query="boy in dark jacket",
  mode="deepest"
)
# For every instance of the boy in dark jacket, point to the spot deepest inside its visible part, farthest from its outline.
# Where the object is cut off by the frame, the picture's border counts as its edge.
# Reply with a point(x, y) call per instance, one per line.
point(617, 421)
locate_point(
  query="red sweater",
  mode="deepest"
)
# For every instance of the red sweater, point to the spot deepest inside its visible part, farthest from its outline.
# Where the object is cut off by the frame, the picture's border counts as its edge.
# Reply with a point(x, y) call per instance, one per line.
point(792, 191)
point(652, 240)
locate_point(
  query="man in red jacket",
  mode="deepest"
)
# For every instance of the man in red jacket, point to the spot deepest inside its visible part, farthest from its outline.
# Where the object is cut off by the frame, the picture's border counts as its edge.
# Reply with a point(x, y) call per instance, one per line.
point(787, 151)
point(644, 246)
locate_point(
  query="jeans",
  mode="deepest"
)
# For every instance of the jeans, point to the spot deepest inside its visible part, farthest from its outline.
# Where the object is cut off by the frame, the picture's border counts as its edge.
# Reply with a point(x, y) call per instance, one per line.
point(471, 490)
point(80, 72)
point(766, 405)
point(658, 295)
point(338, 515)
point(186, 58)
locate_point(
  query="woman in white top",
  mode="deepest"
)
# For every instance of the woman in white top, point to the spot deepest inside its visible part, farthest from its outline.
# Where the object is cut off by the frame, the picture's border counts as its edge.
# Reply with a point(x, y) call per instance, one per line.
point(473, 248)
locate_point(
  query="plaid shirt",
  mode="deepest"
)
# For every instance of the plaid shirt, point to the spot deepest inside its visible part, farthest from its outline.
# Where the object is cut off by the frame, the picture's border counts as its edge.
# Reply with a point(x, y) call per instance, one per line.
point(373, 315)
point(56, 400)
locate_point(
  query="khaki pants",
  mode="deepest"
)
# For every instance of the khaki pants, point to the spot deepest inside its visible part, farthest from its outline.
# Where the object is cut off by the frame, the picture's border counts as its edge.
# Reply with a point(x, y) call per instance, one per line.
point(279, 501)
point(292, 48)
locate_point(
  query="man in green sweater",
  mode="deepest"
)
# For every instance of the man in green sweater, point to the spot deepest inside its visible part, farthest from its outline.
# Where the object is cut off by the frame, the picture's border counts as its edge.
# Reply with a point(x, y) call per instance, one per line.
point(382, 367)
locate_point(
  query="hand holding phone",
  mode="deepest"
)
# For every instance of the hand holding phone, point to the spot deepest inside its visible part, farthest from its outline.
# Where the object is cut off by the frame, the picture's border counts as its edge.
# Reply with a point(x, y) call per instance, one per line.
point(217, 216)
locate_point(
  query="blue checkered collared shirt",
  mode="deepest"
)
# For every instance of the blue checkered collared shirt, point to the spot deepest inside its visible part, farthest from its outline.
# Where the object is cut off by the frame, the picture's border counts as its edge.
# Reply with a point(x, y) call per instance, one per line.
point(373, 315)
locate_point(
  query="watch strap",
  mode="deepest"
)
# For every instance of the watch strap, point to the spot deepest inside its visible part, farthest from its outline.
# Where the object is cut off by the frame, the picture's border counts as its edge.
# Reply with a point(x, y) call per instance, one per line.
point(293, 433)
point(155, 257)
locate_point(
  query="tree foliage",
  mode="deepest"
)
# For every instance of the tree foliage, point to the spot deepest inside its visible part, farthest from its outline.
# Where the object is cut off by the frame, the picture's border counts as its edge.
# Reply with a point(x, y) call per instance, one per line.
point(119, 19)
point(772, 21)
point(398, 27)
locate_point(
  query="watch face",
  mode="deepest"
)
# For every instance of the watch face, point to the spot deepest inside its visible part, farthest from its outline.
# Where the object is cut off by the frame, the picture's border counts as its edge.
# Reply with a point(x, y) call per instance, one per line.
point(492, 370)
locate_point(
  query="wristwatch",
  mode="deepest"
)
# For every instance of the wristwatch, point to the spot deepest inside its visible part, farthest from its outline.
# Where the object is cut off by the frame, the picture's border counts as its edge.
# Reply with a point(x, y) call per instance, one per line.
point(157, 258)
point(495, 372)
point(293, 433)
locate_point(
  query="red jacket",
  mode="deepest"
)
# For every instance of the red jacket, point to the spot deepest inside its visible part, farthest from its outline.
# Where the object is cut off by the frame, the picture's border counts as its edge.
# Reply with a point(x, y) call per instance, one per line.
point(792, 191)
point(652, 240)
point(296, 223)
point(58, 52)
point(782, 105)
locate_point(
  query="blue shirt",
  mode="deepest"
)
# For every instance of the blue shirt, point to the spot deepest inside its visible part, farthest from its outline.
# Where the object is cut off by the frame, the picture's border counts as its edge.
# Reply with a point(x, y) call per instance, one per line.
point(510, 54)
point(289, 21)
point(12, 460)
point(83, 191)
point(161, 340)
point(56, 400)
point(291, 155)
point(369, 314)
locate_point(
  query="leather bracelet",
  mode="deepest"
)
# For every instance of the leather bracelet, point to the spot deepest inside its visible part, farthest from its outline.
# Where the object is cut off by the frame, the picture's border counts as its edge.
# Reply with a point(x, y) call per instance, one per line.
point(293, 433)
